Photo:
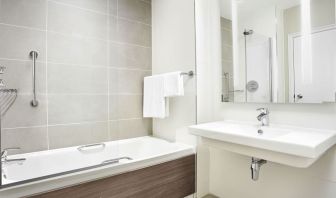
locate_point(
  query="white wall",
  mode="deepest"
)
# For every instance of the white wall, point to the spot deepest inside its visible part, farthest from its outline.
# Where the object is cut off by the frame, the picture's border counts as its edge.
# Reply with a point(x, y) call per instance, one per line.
point(173, 44)
point(229, 173)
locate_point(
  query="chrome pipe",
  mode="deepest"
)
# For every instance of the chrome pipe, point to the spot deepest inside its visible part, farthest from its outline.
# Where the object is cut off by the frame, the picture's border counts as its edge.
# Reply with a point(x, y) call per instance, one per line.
point(255, 168)
point(34, 55)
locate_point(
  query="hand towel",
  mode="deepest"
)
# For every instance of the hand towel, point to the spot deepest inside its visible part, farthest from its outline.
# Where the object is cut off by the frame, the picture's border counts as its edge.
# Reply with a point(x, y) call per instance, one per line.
point(154, 104)
point(173, 84)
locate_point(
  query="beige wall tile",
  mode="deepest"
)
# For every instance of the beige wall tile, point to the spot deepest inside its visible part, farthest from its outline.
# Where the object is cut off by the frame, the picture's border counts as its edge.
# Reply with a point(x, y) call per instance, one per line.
point(227, 53)
point(28, 139)
point(16, 43)
point(137, 10)
point(113, 7)
point(113, 28)
point(30, 13)
point(125, 107)
point(226, 37)
point(73, 21)
point(134, 128)
point(94, 5)
point(113, 130)
point(134, 33)
point(22, 114)
point(74, 50)
point(131, 81)
point(77, 134)
point(129, 106)
point(120, 56)
point(63, 109)
point(76, 79)
point(18, 75)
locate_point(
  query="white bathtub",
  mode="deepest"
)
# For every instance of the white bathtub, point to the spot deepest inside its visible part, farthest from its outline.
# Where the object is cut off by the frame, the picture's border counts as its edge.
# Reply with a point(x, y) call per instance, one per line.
point(52, 169)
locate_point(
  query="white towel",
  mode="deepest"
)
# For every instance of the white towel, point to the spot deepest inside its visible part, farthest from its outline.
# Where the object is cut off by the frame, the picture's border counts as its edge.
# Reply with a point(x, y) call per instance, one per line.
point(157, 89)
point(173, 84)
point(154, 104)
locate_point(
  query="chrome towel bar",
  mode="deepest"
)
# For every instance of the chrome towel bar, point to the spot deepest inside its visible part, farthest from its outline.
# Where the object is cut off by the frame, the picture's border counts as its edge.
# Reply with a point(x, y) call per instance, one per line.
point(190, 73)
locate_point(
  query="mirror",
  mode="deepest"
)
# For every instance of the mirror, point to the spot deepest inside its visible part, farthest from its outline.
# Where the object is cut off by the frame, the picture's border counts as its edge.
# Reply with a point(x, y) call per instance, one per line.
point(278, 51)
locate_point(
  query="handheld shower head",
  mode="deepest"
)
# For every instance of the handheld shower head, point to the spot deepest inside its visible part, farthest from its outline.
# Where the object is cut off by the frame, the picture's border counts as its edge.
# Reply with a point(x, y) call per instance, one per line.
point(248, 32)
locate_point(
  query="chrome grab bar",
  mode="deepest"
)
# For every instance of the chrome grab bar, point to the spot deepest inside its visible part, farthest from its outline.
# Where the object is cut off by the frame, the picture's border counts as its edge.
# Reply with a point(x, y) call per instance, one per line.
point(116, 160)
point(82, 148)
point(33, 55)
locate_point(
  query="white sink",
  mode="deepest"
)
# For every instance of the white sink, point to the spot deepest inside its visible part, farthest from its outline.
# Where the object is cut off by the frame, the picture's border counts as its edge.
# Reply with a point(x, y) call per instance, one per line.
point(289, 145)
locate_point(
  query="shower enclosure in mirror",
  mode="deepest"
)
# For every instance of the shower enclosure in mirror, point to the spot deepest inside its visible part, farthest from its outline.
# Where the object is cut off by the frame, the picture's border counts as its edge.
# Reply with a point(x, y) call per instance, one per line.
point(71, 76)
point(278, 51)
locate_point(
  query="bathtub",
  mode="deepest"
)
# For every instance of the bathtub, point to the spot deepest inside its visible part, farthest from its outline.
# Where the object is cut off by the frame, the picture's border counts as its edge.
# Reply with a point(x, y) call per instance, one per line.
point(47, 170)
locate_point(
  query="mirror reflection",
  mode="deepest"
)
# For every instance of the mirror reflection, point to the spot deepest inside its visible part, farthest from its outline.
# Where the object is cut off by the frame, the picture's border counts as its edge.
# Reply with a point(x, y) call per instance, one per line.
point(278, 51)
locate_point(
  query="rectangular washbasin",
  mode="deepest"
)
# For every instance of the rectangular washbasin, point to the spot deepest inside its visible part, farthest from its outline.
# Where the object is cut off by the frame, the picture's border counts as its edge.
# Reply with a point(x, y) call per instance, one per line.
point(289, 140)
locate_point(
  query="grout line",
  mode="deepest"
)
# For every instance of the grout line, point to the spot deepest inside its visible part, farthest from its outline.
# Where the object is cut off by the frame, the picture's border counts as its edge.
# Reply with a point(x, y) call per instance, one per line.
point(78, 36)
point(20, 60)
point(93, 94)
point(24, 127)
point(129, 44)
point(74, 123)
point(78, 7)
point(131, 68)
point(46, 68)
point(108, 72)
point(23, 27)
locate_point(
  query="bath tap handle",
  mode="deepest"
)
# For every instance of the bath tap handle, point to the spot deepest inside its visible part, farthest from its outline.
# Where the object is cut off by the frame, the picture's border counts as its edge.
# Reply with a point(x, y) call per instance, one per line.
point(4, 153)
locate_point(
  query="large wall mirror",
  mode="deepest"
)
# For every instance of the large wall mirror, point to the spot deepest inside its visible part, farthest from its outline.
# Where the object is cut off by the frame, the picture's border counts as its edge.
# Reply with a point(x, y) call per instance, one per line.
point(278, 51)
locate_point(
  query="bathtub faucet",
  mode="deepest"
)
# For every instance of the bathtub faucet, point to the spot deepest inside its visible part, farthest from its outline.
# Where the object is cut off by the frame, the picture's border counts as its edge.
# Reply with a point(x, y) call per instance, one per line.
point(4, 156)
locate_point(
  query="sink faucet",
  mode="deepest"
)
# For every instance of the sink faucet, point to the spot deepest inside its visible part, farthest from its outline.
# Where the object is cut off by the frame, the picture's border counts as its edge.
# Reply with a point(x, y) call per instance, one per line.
point(263, 117)
point(4, 156)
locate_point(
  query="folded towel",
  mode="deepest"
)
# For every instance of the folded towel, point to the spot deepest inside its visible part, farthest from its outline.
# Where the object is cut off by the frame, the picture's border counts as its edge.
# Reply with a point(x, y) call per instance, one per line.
point(173, 84)
point(157, 90)
point(154, 104)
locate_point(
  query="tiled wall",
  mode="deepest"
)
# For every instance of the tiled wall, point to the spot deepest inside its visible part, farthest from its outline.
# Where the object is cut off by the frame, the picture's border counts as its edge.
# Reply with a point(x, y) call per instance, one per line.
point(227, 60)
point(93, 55)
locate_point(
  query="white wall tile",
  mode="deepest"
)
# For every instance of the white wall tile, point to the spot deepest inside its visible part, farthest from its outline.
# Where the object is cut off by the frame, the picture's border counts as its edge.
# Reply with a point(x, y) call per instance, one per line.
point(137, 10)
point(74, 50)
point(18, 75)
point(120, 56)
point(73, 21)
point(77, 134)
point(22, 114)
point(94, 5)
point(64, 109)
point(28, 139)
point(16, 43)
point(76, 79)
point(30, 13)
point(134, 33)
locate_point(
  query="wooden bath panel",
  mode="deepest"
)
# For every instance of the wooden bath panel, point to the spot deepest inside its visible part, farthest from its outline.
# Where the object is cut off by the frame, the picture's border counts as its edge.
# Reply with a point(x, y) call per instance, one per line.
point(173, 179)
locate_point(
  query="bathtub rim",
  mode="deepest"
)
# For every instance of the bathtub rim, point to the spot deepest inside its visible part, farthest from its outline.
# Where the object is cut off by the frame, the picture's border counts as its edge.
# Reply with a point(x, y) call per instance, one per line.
point(37, 185)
